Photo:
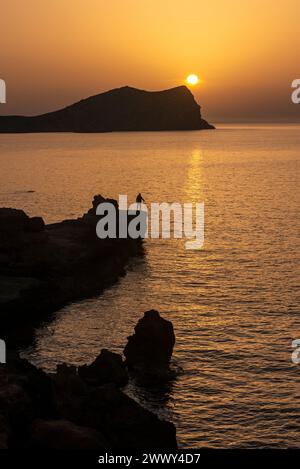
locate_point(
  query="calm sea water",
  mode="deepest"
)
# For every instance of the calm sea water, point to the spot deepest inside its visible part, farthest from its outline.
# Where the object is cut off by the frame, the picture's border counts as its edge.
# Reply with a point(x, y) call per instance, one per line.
point(234, 304)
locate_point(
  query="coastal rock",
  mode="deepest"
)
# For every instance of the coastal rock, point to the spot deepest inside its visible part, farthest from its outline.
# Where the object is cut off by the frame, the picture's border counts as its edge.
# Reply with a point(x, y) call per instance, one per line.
point(4, 433)
point(14, 221)
point(43, 267)
point(35, 225)
point(125, 423)
point(63, 411)
point(99, 199)
point(148, 352)
point(70, 393)
point(37, 385)
point(25, 392)
point(15, 406)
point(107, 368)
point(62, 434)
point(121, 109)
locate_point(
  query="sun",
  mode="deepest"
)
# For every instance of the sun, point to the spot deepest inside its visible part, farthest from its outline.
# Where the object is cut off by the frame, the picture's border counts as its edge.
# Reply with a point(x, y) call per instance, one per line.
point(192, 79)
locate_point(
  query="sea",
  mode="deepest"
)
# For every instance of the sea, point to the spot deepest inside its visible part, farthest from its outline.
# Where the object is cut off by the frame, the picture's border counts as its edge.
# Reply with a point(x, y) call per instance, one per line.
point(234, 303)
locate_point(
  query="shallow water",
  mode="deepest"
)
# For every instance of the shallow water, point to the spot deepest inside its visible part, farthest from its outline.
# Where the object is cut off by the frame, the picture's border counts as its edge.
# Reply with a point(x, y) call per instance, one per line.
point(234, 304)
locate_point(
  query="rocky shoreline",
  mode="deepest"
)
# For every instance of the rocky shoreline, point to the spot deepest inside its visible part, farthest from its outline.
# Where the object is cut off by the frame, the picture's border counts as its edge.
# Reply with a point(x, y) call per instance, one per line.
point(43, 267)
point(85, 408)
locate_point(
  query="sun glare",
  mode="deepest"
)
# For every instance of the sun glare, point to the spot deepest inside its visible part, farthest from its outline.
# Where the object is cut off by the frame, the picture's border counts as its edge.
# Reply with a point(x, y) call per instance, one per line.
point(192, 79)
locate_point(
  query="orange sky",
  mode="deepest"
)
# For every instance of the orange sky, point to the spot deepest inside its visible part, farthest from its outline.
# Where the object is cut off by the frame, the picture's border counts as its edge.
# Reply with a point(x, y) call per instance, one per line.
point(246, 51)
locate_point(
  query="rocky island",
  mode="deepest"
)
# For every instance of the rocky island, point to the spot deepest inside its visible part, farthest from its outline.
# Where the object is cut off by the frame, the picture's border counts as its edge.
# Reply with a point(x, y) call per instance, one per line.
point(121, 109)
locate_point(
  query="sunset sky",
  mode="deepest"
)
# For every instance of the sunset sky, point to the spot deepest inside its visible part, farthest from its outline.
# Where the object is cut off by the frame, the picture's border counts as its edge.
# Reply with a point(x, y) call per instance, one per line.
point(246, 53)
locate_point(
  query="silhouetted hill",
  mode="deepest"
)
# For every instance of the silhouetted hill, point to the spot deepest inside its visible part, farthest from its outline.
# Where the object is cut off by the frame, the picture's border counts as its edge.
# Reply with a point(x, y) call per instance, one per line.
point(121, 109)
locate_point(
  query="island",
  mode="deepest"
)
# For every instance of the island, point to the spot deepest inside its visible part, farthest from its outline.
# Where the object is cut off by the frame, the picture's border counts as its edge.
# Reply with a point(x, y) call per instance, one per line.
point(118, 110)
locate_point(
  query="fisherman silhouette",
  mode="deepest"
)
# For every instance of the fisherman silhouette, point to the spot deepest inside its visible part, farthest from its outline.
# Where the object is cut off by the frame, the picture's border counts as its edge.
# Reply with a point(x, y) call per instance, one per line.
point(139, 199)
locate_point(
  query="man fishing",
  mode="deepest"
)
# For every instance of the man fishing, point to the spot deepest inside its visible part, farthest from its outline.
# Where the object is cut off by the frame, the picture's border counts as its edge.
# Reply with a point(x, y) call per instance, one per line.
point(139, 199)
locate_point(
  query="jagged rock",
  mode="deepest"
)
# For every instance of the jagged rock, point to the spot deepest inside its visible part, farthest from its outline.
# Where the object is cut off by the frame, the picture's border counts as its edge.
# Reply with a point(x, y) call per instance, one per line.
point(35, 224)
point(99, 199)
point(107, 368)
point(125, 423)
point(63, 411)
point(149, 350)
point(12, 219)
point(15, 403)
point(38, 386)
point(4, 433)
point(70, 393)
point(43, 267)
point(62, 434)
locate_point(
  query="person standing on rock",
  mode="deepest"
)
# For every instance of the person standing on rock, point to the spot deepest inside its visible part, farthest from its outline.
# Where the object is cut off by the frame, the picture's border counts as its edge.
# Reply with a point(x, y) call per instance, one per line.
point(139, 199)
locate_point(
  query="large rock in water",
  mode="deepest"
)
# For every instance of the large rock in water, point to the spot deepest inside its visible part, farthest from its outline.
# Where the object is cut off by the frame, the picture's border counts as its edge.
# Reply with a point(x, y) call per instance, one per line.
point(149, 351)
point(121, 109)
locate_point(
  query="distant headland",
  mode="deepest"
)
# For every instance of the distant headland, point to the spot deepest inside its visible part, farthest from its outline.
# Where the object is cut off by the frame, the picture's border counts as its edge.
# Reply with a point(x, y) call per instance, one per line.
point(121, 109)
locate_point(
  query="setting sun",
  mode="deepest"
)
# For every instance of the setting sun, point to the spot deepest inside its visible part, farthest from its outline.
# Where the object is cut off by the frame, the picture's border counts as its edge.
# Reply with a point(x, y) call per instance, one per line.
point(192, 79)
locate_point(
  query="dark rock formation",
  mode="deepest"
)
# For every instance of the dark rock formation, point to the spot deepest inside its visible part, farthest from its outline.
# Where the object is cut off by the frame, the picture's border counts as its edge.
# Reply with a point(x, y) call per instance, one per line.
point(149, 350)
point(62, 411)
point(107, 368)
point(123, 422)
point(44, 267)
point(62, 434)
point(4, 433)
point(122, 109)
point(25, 391)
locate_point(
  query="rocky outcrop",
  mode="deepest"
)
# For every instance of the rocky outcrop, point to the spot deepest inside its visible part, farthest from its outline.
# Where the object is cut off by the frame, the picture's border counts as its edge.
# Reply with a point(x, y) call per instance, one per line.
point(149, 350)
point(63, 411)
point(122, 109)
point(63, 434)
point(107, 368)
point(43, 267)
point(4, 433)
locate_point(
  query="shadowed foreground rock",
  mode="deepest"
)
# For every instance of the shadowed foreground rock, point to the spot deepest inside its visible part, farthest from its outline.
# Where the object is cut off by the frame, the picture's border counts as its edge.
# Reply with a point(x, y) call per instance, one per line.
point(62, 411)
point(43, 267)
point(62, 434)
point(149, 351)
point(107, 368)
